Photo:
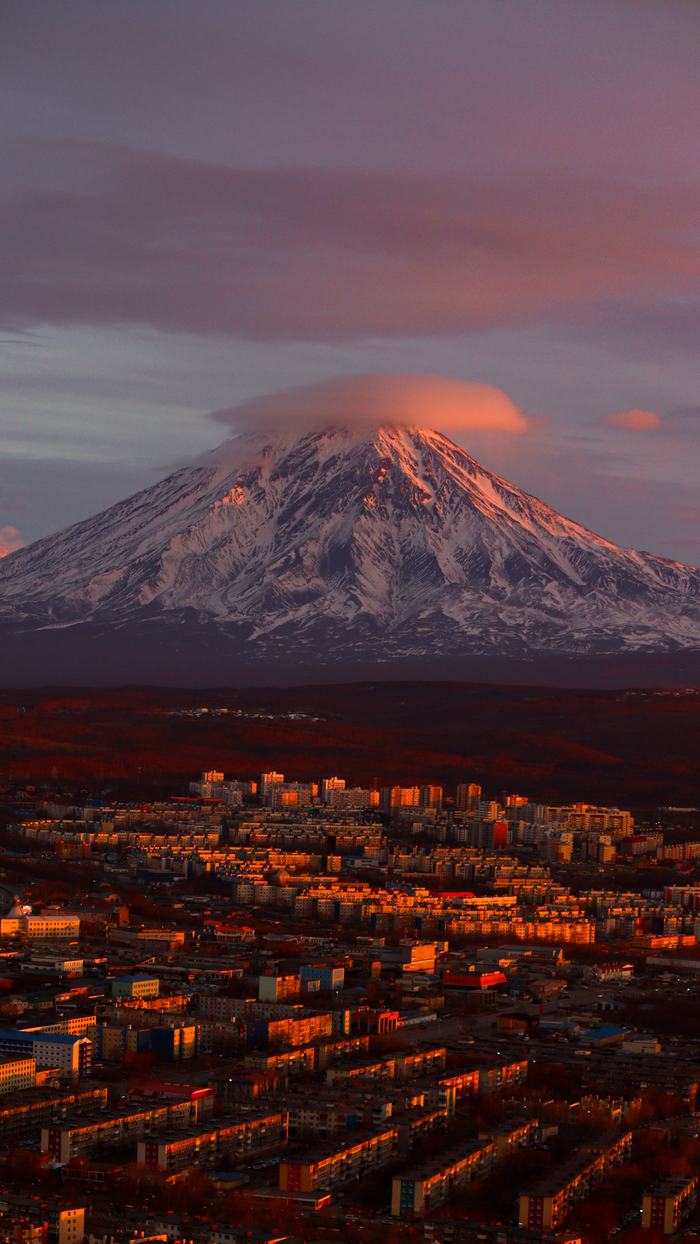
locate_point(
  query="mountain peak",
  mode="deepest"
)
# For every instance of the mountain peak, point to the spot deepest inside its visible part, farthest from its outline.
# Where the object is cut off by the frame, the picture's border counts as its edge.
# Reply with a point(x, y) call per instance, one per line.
point(370, 540)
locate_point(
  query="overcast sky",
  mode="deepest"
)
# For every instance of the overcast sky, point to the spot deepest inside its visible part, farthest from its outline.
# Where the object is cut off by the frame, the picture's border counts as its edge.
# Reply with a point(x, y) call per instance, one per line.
point(205, 202)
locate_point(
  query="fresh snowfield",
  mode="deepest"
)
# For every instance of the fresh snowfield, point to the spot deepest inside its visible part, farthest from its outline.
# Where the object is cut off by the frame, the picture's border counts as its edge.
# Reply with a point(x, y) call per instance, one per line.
point(384, 541)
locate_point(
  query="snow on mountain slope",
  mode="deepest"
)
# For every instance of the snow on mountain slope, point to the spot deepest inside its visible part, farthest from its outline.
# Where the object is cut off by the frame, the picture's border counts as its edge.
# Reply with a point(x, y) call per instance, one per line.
point(389, 541)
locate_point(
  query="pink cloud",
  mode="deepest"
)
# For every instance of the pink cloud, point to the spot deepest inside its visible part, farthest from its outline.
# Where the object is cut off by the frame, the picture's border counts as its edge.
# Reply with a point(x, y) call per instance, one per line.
point(411, 400)
point(635, 420)
point(10, 541)
point(326, 254)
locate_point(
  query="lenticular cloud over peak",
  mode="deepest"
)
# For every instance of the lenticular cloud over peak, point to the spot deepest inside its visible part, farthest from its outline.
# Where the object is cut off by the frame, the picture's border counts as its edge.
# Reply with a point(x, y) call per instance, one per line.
point(373, 399)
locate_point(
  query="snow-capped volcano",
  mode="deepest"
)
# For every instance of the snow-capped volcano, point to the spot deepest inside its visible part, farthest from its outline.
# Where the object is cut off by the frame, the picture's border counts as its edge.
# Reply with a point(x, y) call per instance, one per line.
point(346, 542)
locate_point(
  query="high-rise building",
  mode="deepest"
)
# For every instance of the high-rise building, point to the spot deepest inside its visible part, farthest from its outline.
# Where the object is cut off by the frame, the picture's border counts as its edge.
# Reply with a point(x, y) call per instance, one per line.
point(329, 784)
point(267, 782)
point(488, 810)
point(468, 795)
point(352, 797)
point(291, 794)
point(431, 797)
point(399, 796)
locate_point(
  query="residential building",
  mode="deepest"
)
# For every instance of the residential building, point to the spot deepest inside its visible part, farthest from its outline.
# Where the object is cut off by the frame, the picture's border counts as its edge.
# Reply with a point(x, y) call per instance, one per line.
point(468, 795)
point(416, 1192)
point(260, 1129)
point(273, 988)
point(71, 1055)
point(545, 1206)
point(338, 1164)
point(17, 1074)
point(135, 987)
point(331, 784)
point(668, 1203)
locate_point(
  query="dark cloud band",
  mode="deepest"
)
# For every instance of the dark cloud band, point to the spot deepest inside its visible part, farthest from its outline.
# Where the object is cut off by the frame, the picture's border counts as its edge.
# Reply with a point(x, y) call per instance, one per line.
point(330, 255)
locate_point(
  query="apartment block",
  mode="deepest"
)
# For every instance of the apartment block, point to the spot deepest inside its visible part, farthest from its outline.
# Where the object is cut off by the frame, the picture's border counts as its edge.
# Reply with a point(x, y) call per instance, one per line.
point(256, 1132)
point(366, 1069)
point(416, 1125)
point(17, 1074)
point(613, 1147)
point(425, 1060)
point(668, 1203)
point(309, 1027)
point(493, 1078)
point(337, 1164)
point(463, 1084)
point(71, 1055)
point(276, 988)
point(545, 1206)
point(416, 1192)
point(82, 1136)
point(512, 1136)
point(322, 1116)
point(288, 1062)
point(69, 1026)
point(23, 1114)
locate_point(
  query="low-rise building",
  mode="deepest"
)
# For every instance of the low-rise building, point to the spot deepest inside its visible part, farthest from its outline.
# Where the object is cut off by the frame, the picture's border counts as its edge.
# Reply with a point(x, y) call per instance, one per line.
point(61, 1223)
point(135, 987)
point(20, 1231)
point(51, 926)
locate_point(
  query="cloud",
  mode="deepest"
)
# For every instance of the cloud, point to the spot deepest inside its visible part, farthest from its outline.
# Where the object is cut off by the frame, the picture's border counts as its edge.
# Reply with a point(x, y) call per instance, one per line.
point(10, 541)
point(326, 254)
point(383, 397)
point(634, 420)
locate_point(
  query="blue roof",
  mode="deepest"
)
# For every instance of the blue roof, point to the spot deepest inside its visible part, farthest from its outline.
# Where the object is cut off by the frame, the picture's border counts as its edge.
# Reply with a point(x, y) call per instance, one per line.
point(602, 1034)
point(56, 1038)
point(10, 1034)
